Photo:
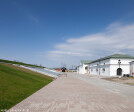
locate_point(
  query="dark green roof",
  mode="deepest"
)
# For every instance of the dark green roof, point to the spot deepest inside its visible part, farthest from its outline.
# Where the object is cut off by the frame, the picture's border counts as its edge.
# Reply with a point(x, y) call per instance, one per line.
point(85, 61)
point(120, 56)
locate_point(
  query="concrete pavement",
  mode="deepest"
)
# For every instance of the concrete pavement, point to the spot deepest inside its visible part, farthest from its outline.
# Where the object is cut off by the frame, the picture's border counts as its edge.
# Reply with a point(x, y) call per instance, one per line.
point(70, 94)
point(114, 87)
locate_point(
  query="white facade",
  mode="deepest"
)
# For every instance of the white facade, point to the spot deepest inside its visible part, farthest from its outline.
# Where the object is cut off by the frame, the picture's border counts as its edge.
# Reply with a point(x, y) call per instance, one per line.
point(82, 69)
point(132, 68)
point(110, 67)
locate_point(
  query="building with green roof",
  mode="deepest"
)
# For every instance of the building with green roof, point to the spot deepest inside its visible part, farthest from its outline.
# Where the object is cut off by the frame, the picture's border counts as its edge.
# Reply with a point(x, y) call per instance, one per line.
point(85, 61)
point(113, 65)
point(83, 68)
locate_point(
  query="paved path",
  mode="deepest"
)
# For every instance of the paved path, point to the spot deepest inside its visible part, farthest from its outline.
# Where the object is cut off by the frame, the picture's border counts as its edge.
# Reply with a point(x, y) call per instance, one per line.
point(114, 87)
point(69, 94)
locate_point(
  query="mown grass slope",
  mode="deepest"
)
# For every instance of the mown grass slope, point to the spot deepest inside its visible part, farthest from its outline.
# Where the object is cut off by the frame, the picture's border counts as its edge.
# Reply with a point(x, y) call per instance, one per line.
point(19, 63)
point(18, 83)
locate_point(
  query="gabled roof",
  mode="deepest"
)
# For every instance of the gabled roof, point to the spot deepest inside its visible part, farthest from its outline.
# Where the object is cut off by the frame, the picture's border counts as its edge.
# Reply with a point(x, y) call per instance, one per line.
point(121, 56)
point(85, 61)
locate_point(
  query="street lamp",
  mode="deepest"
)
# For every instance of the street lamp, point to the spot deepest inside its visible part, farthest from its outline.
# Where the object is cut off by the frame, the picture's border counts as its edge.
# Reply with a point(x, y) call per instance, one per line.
point(119, 62)
point(99, 65)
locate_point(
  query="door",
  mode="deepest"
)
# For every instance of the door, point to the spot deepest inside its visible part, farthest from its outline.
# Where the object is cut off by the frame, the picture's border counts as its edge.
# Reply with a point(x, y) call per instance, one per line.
point(119, 71)
point(86, 69)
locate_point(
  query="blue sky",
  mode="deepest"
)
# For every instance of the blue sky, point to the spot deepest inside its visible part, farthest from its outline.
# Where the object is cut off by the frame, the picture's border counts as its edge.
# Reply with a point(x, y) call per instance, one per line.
point(57, 32)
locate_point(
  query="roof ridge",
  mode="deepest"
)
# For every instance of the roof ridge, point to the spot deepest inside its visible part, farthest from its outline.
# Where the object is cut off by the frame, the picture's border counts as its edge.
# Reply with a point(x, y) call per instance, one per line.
point(124, 56)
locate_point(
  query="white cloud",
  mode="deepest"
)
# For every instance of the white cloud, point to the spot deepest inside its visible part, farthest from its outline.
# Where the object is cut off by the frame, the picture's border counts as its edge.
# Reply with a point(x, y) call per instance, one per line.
point(116, 38)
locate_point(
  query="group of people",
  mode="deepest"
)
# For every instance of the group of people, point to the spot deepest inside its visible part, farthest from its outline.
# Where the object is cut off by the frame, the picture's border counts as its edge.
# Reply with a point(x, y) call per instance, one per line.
point(64, 70)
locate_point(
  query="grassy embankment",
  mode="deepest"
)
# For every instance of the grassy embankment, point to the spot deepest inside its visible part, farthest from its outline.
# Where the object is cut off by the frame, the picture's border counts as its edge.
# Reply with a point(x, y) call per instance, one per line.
point(18, 83)
point(19, 63)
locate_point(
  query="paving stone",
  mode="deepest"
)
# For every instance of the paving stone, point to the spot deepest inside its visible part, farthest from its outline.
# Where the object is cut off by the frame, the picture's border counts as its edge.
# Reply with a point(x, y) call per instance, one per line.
point(75, 94)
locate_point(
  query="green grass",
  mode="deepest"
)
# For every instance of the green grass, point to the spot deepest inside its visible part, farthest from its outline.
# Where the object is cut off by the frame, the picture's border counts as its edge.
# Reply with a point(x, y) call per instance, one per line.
point(19, 63)
point(18, 83)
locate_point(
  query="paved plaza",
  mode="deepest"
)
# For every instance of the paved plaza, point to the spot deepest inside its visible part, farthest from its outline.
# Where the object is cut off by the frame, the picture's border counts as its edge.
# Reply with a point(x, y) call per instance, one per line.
point(80, 93)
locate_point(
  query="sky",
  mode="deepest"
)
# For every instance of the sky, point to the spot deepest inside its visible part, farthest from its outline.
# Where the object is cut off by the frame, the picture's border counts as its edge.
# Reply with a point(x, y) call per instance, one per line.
point(54, 33)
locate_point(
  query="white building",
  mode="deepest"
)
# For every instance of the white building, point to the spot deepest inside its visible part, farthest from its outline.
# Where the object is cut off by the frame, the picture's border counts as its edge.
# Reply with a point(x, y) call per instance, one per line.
point(114, 65)
point(83, 68)
point(132, 68)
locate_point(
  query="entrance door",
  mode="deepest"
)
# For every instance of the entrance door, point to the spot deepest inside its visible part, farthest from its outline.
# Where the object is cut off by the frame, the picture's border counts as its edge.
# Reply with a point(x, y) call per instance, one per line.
point(86, 69)
point(119, 71)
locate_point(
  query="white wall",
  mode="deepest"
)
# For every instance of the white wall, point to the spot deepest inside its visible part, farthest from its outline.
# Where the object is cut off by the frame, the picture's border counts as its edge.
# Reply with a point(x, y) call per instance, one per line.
point(110, 66)
point(107, 70)
point(113, 69)
point(124, 66)
point(81, 69)
point(102, 65)
point(132, 68)
point(123, 61)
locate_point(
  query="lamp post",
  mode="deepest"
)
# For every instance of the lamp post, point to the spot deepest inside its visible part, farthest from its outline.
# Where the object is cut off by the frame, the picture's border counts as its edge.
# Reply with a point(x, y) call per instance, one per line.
point(99, 65)
point(119, 62)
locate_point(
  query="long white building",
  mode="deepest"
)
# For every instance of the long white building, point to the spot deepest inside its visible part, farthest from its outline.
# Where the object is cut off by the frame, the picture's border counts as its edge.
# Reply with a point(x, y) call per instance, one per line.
point(113, 65)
